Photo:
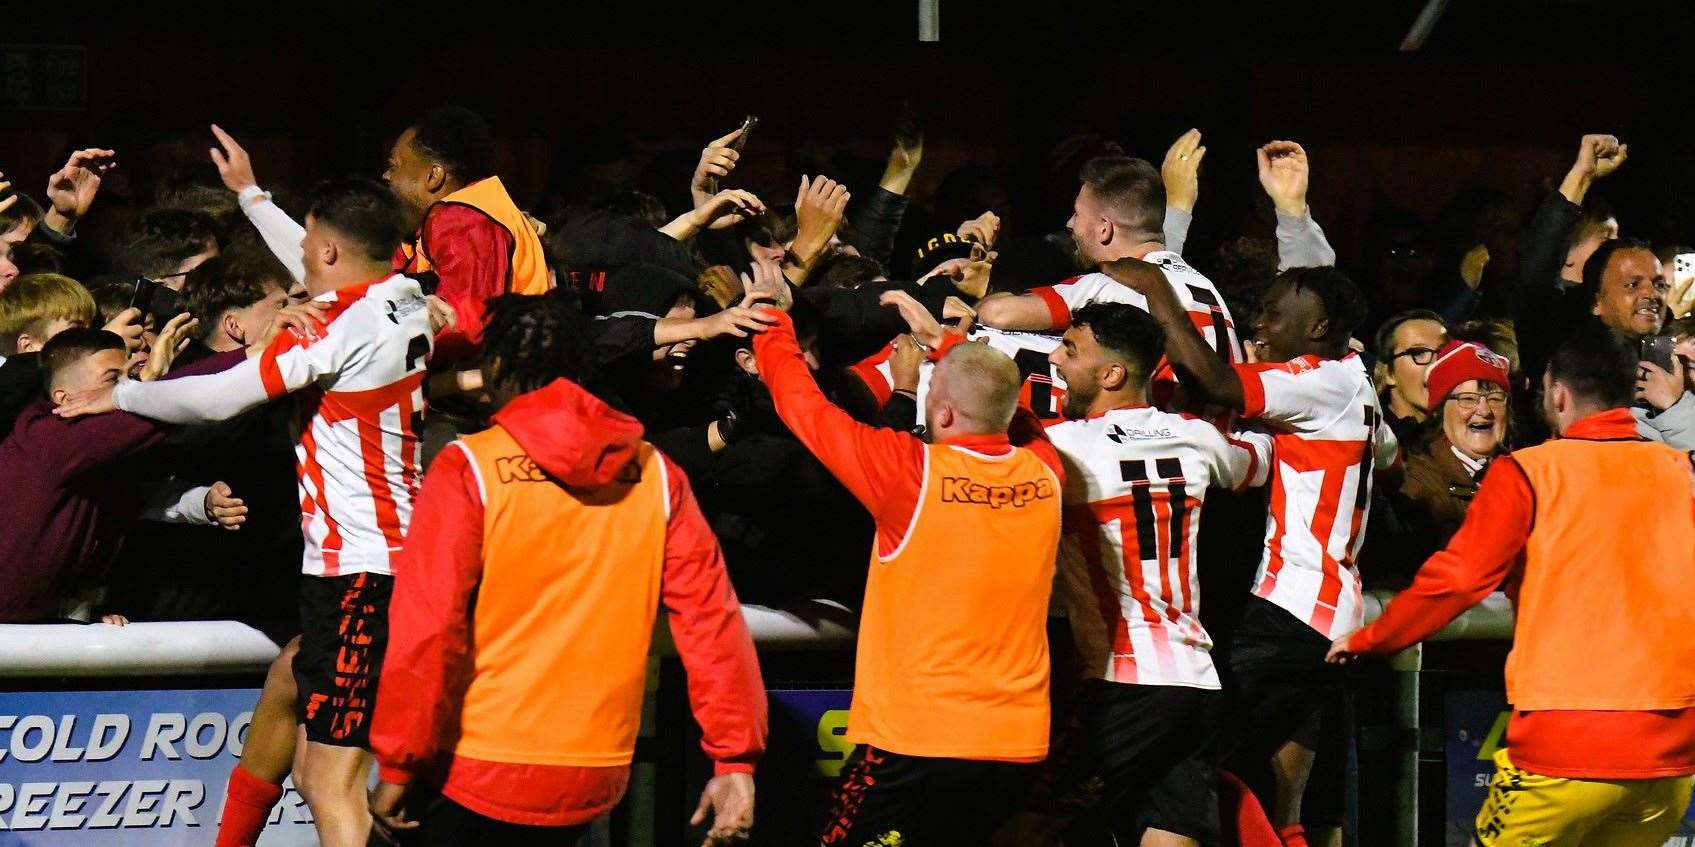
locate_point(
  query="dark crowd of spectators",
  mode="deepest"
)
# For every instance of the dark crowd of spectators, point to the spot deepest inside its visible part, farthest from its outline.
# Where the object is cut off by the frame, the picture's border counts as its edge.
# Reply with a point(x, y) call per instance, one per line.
point(117, 517)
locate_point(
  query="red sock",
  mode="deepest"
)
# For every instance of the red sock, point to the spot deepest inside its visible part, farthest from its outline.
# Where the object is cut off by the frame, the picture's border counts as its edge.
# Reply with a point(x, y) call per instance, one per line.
point(247, 803)
point(1293, 835)
point(1240, 806)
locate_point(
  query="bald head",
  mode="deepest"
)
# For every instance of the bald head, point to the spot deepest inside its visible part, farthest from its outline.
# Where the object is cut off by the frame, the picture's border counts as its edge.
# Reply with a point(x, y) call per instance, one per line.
point(973, 391)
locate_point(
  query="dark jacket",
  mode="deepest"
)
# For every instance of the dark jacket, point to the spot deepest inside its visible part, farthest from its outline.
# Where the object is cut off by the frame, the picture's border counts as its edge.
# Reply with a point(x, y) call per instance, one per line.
point(192, 572)
point(789, 529)
point(20, 385)
point(875, 221)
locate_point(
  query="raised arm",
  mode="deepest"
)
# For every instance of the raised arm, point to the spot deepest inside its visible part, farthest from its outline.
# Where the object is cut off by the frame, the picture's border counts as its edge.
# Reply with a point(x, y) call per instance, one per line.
point(1285, 174)
point(1181, 173)
point(869, 461)
point(1199, 367)
point(280, 232)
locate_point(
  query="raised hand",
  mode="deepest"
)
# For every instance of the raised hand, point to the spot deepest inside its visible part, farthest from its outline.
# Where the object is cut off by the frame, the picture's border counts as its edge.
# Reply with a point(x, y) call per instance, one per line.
point(982, 229)
point(1181, 171)
point(766, 284)
point(1600, 155)
point(726, 209)
point(955, 309)
point(224, 508)
point(1283, 175)
point(173, 339)
point(1597, 157)
point(729, 799)
point(904, 362)
point(717, 161)
point(925, 328)
point(818, 214)
point(904, 157)
point(234, 165)
point(128, 326)
point(71, 191)
point(7, 201)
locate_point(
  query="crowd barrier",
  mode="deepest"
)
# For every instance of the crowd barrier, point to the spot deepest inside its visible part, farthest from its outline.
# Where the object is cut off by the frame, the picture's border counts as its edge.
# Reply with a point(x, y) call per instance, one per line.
point(133, 730)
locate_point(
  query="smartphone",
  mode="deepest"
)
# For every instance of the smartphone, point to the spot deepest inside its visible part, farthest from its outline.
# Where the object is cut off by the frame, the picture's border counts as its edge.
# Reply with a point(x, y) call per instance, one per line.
point(155, 299)
point(1658, 349)
point(748, 124)
point(1682, 298)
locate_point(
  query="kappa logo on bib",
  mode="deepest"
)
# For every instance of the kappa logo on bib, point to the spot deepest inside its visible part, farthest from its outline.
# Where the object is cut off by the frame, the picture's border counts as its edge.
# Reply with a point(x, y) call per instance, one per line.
point(959, 489)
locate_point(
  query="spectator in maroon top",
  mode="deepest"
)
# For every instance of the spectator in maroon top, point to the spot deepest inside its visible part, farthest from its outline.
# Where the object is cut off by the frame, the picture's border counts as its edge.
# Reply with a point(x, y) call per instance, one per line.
point(62, 529)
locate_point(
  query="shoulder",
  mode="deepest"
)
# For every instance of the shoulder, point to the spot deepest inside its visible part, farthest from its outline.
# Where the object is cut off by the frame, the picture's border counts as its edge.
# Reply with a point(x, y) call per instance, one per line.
point(452, 215)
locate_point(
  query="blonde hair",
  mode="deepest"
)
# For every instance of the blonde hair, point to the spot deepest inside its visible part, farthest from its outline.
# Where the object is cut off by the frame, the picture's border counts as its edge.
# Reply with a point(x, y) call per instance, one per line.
point(982, 385)
point(34, 301)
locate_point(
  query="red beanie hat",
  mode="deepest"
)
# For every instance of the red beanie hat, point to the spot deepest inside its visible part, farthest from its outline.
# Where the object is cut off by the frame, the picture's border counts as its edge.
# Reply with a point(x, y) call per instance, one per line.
point(1459, 361)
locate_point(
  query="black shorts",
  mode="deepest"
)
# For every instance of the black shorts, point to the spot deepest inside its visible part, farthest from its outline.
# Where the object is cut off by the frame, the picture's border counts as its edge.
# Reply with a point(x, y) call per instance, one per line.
point(343, 635)
point(913, 801)
point(1139, 757)
point(1279, 689)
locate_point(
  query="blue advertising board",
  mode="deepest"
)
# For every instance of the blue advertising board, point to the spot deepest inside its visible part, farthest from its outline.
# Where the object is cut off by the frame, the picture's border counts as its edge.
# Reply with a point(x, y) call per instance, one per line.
point(127, 767)
point(1474, 727)
point(814, 720)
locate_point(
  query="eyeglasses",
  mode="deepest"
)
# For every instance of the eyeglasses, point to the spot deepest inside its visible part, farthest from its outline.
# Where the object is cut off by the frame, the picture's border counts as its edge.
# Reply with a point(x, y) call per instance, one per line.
point(1469, 401)
point(1420, 355)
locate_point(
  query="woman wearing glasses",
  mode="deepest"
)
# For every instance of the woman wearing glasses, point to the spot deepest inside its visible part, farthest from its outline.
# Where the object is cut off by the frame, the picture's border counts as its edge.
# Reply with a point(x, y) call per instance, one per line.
point(1468, 389)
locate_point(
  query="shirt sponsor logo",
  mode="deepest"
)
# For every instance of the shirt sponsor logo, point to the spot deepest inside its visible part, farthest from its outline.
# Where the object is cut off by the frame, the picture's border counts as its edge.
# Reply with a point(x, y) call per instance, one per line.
point(1118, 434)
point(961, 489)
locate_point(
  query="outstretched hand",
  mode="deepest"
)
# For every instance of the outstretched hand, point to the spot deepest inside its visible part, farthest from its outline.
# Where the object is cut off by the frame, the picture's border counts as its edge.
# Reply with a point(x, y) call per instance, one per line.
point(1181, 171)
point(717, 160)
point(819, 207)
point(1283, 173)
point(766, 284)
point(72, 189)
point(235, 168)
point(173, 339)
point(726, 209)
point(925, 328)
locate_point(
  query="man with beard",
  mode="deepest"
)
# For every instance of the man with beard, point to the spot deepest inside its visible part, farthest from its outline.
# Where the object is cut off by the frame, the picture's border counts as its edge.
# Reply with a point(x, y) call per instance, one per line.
point(1119, 213)
point(1136, 481)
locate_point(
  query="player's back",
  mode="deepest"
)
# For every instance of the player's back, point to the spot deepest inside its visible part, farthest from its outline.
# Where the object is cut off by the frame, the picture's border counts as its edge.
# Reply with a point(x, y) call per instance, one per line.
point(1135, 482)
point(358, 455)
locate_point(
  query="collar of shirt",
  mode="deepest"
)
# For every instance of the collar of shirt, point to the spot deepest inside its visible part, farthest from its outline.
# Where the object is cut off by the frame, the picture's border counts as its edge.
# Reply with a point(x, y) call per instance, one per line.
point(1611, 425)
point(993, 445)
point(1471, 465)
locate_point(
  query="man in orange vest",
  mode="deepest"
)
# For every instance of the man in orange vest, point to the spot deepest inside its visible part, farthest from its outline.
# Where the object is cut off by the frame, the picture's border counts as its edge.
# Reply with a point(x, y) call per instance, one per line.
point(1594, 533)
point(950, 701)
point(472, 237)
point(541, 552)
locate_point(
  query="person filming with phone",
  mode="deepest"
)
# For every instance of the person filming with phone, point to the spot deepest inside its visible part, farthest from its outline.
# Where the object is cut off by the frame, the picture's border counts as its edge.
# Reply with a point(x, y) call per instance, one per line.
point(1625, 288)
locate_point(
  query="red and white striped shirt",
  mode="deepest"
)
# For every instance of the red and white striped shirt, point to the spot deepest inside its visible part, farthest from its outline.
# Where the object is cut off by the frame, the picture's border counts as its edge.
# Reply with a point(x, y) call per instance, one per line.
point(1198, 295)
point(360, 385)
point(1043, 391)
point(1328, 438)
point(1135, 482)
